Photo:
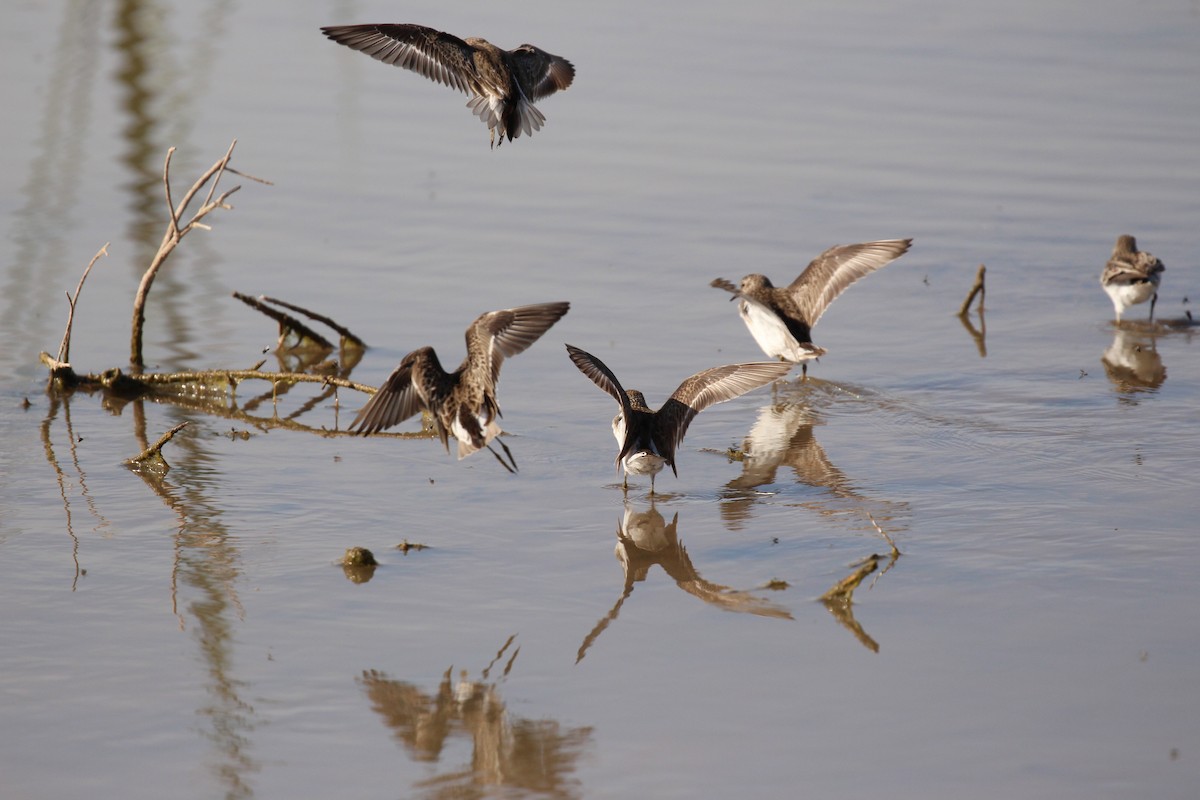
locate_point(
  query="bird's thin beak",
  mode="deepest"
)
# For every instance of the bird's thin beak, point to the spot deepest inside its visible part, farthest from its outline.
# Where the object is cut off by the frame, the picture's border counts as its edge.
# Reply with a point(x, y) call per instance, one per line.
point(733, 297)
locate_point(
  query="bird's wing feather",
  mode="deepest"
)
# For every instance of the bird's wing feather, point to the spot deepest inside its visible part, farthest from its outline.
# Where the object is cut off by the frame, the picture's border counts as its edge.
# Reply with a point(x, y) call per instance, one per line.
point(539, 73)
point(395, 401)
point(600, 375)
point(832, 272)
point(438, 56)
point(707, 388)
point(498, 335)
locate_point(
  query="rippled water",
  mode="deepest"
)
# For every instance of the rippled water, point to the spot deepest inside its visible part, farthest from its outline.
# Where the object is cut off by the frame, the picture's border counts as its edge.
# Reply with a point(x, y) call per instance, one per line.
point(1035, 468)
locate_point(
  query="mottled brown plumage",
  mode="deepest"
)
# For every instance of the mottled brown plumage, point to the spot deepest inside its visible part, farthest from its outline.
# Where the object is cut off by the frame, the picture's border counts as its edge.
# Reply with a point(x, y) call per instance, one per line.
point(1131, 276)
point(462, 403)
point(781, 318)
point(649, 439)
point(503, 84)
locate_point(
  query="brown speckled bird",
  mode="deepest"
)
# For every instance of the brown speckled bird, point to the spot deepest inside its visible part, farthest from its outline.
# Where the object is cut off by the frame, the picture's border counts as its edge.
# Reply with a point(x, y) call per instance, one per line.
point(503, 84)
point(1131, 276)
point(648, 439)
point(462, 403)
point(781, 318)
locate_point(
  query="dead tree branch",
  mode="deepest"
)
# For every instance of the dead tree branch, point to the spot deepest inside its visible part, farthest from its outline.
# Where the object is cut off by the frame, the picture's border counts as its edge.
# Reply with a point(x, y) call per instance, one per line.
point(175, 233)
point(976, 289)
point(151, 458)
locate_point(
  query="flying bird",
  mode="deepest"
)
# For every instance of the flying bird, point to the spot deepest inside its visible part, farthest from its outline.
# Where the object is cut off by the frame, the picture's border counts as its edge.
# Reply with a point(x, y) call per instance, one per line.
point(649, 439)
point(462, 403)
point(781, 318)
point(1131, 276)
point(503, 84)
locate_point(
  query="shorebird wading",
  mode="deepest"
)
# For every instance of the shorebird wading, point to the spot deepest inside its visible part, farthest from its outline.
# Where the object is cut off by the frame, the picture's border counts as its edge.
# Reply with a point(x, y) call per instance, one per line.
point(648, 439)
point(1131, 276)
point(503, 84)
point(781, 318)
point(462, 403)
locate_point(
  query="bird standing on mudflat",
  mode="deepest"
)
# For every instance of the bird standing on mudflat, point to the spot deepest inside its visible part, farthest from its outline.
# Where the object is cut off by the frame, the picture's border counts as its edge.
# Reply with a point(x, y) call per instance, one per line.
point(781, 318)
point(648, 439)
point(1131, 276)
point(462, 403)
point(503, 84)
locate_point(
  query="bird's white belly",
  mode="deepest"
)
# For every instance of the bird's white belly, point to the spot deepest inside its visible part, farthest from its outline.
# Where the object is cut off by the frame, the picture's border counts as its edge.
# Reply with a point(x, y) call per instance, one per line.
point(1125, 295)
point(771, 334)
point(639, 462)
point(643, 462)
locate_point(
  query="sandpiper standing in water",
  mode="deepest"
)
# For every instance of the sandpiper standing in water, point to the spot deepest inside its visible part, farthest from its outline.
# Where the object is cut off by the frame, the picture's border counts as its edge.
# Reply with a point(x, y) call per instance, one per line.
point(462, 403)
point(1131, 276)
point(781, 318)
point(648, 439)
point(503, 84)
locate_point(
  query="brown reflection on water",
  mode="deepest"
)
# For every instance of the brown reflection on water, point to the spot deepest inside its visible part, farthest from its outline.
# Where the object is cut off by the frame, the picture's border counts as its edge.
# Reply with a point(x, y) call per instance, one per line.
point(64, 481)
point(162, 83)
point(783, 437)
point(1133, 364)
point(978, 335)
point(204, 590)
point(203, 579)
point(644, 538)
point(51, 193)
point(508, 752)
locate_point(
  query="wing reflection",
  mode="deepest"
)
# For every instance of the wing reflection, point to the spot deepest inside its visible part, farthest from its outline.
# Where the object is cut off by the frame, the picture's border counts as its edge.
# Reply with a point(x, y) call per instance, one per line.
point(782, 436)
point(507, 751)
point(644, 538)
point(1133, 364)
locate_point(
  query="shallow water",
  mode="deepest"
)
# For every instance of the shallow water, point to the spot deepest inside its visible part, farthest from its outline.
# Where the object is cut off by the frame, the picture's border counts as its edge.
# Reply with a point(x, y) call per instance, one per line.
point(194, 636)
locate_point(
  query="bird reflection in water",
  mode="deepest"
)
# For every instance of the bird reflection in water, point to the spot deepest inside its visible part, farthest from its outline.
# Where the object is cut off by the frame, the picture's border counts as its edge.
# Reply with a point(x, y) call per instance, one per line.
point(508, 752)
point(782, 436)
point(1133, 364)
point(644, 538)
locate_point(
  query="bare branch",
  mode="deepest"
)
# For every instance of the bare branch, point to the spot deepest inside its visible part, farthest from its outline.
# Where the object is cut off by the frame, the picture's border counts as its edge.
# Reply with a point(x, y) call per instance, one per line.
point(342, 331)
point(173, 231)
point(151, 458)
point(976, 289)
point(173, 235)
point(286, 323)
point(64, 349)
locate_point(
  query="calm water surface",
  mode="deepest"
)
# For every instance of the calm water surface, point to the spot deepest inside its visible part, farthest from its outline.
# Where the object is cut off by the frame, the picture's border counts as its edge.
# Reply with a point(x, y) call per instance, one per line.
point(193, 637)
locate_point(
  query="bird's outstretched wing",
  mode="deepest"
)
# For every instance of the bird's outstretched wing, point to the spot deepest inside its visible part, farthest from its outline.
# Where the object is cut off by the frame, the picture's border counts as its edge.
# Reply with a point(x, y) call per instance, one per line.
point(438, 56)
point(832, 272)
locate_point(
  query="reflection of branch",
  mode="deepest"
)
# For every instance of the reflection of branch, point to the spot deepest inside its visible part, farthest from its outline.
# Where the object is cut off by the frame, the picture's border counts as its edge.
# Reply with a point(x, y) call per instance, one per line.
point(840, 597)
point(979, 335)
point(978, 288)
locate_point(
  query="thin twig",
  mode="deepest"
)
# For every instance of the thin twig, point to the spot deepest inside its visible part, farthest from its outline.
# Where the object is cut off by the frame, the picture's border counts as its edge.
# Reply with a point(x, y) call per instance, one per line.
point(172, 236)
point(976, 289)
point(286, 321)
point(64, 349)
point(155, 450)
point(342, 331)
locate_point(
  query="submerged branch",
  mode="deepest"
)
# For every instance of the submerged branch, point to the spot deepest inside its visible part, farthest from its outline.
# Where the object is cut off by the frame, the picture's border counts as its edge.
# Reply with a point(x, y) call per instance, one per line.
point(341, 330)
point(976, 289)
point(287, 324)
point(151, 459)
